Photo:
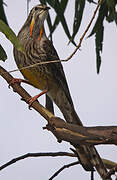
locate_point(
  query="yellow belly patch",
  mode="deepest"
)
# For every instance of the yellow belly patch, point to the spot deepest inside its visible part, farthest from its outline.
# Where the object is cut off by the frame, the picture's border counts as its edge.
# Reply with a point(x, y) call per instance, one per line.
point(35, 78)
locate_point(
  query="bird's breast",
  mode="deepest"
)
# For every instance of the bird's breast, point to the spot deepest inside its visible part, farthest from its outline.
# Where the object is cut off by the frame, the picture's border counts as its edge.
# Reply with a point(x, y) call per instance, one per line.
point(37, 78)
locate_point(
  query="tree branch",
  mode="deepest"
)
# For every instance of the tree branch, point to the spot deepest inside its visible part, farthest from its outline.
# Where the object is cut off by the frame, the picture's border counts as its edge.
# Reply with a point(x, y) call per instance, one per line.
point(50, 117)
point(64, 131)
point(52, 154)
point(24, 95)
point(82, 135)
point(64, 167)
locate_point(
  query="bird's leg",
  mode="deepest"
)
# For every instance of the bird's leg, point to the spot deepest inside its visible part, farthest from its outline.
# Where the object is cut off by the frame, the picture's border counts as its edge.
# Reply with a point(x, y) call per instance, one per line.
point(19, 81)
point(33, 99)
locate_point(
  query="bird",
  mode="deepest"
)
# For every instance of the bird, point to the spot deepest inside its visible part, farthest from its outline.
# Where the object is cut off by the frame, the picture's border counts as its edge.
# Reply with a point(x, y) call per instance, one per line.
point(49, 78)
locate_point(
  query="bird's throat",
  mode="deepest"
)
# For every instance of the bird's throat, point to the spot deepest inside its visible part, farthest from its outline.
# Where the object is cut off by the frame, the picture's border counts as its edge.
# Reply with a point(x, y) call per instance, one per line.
point(32, 30)
point(41, 32)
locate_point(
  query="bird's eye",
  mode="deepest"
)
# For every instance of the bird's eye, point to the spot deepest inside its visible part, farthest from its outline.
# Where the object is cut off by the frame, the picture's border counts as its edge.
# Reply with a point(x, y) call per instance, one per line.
point(36, 8)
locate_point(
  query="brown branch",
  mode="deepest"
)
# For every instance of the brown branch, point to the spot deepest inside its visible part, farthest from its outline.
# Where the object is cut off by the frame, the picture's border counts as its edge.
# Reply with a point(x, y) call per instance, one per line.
point(109, 164)
point(73, 53)
point(82, 135)
point(64, 131)
point(52, 154)
point(24, 95)
point(64, 167)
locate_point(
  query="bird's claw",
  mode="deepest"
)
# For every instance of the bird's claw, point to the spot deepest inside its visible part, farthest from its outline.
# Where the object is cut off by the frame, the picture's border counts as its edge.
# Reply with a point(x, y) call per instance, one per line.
point(13, 81)
point(30, 102)
point(30, 105)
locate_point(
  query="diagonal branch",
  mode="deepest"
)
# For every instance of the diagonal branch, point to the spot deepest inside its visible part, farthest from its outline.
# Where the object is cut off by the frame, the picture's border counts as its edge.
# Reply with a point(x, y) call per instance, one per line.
point(64, 131)
point(80, 134)
point(62, 168)
point(48, 116)
point(25, 95)
point(48, 154)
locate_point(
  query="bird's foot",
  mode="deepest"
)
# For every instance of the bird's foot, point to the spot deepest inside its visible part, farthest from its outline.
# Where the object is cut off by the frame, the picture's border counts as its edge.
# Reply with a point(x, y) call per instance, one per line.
point(33, 99)
point(17, 80)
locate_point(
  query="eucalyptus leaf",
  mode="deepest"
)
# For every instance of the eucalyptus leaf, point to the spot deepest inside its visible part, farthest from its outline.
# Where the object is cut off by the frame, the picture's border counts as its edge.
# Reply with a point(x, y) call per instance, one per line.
point(79, 9)
point(49, 25)
point(98, 30)
point(111, 10)
point(99, 44)
point(116, 18)
point(59, 11)
point(42, 1)
point(103, 11)
point(51, 3)
point(63, 4)
point(91, 1)
point(3, 55)
point(8, 32)
point(2, 13)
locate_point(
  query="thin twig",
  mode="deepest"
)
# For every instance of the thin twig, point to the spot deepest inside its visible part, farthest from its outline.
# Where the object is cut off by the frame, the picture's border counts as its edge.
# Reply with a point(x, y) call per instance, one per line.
point(64, 167)
point(73, 53)
point(52, 154)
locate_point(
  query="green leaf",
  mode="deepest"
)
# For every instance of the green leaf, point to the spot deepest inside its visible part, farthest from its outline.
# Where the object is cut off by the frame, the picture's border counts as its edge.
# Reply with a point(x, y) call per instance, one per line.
point(99, 44)
point(79, 9)
point(98, 60)
point(7, 31)
point(49, 25)
point(116, 18)
point(57, 7)
point(42, 1)
point(3, 55)
point(2, 13)
point(98, 30)
point(103, 11)
point(51, 3)
point(63, 4)
point(111, 10)
point(91, 1)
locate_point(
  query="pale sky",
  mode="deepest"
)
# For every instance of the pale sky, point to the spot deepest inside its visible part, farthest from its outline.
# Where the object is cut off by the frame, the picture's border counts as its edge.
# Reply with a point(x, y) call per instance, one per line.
point(94, 97)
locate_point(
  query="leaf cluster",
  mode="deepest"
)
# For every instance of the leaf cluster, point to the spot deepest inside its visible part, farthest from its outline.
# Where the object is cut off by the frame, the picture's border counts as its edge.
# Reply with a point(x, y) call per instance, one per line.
point(107, 12)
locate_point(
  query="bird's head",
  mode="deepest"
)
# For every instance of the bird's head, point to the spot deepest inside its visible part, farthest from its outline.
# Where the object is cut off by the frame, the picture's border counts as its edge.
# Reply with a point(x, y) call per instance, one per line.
point(35, 20)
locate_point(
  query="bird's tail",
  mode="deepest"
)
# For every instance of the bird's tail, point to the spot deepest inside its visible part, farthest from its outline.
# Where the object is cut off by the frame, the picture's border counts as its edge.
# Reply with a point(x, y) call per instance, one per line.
point(88, 155)
point(71, 116)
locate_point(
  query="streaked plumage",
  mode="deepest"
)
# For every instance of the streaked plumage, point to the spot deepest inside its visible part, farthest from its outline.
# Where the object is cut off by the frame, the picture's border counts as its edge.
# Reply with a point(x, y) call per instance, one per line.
point(47, 76)
point(51, 76)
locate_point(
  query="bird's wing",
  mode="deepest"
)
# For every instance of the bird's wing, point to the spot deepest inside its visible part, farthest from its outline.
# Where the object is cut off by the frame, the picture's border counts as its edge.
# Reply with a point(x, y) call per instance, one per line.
point(57, 68)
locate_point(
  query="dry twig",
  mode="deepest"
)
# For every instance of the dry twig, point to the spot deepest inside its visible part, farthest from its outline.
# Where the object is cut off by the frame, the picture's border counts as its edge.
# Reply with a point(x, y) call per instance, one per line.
point(52, 154)
point(64, 167)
